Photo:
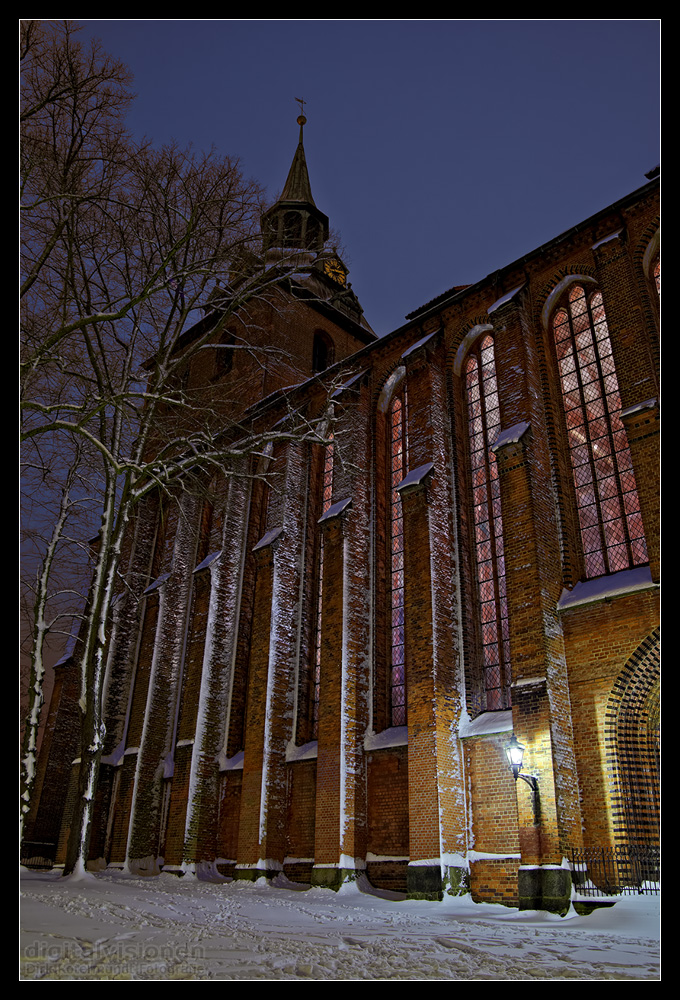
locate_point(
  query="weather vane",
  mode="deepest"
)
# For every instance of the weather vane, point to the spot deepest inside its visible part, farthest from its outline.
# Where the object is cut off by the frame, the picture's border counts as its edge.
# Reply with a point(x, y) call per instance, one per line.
point(301, 117)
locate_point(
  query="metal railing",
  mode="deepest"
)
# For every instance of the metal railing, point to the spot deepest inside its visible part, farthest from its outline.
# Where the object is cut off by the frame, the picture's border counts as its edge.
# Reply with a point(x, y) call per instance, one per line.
point(614, 871)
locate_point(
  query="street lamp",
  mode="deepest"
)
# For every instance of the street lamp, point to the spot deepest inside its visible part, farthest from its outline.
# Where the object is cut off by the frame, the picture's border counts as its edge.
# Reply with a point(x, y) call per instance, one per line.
point(515, 752)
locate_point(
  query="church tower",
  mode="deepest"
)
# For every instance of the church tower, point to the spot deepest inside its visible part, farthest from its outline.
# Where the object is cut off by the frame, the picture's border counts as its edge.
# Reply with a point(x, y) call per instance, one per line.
point(294, 222)
point(295, 234)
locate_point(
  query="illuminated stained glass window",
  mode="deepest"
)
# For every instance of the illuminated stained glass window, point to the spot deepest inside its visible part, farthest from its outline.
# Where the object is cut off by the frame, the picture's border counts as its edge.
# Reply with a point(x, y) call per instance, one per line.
point(483, 426)
point(612, 533)
point(657, 276)
point(397, 428)
point(327, 498)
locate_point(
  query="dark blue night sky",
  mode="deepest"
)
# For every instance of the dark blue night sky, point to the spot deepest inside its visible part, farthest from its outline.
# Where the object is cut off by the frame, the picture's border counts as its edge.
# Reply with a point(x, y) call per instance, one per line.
point(441, 150)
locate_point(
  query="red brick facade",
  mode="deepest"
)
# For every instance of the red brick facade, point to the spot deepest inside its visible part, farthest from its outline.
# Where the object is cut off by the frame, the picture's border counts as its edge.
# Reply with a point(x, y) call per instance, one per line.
point(211, 756)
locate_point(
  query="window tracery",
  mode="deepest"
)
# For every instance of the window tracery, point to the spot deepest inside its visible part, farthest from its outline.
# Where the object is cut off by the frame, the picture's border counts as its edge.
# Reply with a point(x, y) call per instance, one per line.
point(396, 591)
point(610, 521)
point(483, 427)
point(326, 501)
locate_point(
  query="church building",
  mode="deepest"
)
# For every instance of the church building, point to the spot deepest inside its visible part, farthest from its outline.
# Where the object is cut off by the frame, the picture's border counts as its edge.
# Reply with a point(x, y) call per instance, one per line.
point(317, 668)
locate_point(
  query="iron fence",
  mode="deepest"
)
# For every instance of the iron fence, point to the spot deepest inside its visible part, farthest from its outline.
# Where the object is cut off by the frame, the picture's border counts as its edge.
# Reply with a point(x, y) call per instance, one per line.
point(613, 871)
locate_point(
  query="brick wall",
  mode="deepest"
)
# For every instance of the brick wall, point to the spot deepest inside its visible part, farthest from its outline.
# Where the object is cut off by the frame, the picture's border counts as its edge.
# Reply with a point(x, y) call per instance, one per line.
point(300, 821)
point(388, 818)
point(213, 664)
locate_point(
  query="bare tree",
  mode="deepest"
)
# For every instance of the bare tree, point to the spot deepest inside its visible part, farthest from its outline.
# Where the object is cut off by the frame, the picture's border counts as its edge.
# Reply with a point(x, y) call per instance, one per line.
point(122, 245)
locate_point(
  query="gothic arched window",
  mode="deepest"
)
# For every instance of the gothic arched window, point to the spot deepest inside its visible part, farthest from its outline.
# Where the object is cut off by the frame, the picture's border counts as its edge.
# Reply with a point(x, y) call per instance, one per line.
point(612, 533)
point(483, 426)
point(326, 500)
point(397, 466)
point(391, 452)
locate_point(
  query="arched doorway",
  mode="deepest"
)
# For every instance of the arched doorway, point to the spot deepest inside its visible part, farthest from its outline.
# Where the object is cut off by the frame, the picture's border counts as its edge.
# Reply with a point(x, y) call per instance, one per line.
point(632, 740)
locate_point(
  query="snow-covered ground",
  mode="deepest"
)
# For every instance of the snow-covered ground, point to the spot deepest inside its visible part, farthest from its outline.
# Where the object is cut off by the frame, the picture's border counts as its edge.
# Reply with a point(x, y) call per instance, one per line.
point(113, 926)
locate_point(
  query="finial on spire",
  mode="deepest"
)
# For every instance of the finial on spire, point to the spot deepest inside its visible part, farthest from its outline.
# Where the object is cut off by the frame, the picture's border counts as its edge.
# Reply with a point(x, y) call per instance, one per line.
point(301, 120)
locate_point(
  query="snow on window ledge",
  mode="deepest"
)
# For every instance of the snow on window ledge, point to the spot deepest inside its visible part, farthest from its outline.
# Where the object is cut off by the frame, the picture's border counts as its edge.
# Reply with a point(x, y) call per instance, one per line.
point(234, 763)
point(647, 404)
point(116, 758)
point(604, 588)
point(486, 724)
point(396, 736)
point(308, 751)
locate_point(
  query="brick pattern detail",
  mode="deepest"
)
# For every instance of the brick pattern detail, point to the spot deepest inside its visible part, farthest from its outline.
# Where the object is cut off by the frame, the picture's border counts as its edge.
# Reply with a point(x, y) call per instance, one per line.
point(388, 815)
point(492, 792)
point(300, 821)
point(230, 806)
point(387, 875)
point(494, 881)
point(122, 807)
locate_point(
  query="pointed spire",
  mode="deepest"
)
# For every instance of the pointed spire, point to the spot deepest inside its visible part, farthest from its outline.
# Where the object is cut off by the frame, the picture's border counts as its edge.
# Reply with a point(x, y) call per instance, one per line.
point(295, 222)
point(297, 186)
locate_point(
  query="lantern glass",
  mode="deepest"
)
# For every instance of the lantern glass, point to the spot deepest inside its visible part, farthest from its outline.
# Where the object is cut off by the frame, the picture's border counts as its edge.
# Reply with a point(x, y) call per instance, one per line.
point(515, 752)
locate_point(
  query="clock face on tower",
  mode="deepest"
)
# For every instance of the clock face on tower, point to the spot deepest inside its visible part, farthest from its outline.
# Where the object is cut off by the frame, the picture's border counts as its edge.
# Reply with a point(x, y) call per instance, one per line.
point(335, 270)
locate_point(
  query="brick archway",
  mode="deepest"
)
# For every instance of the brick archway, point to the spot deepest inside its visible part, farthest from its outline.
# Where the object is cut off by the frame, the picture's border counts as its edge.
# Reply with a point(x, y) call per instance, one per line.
point(632, 744)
